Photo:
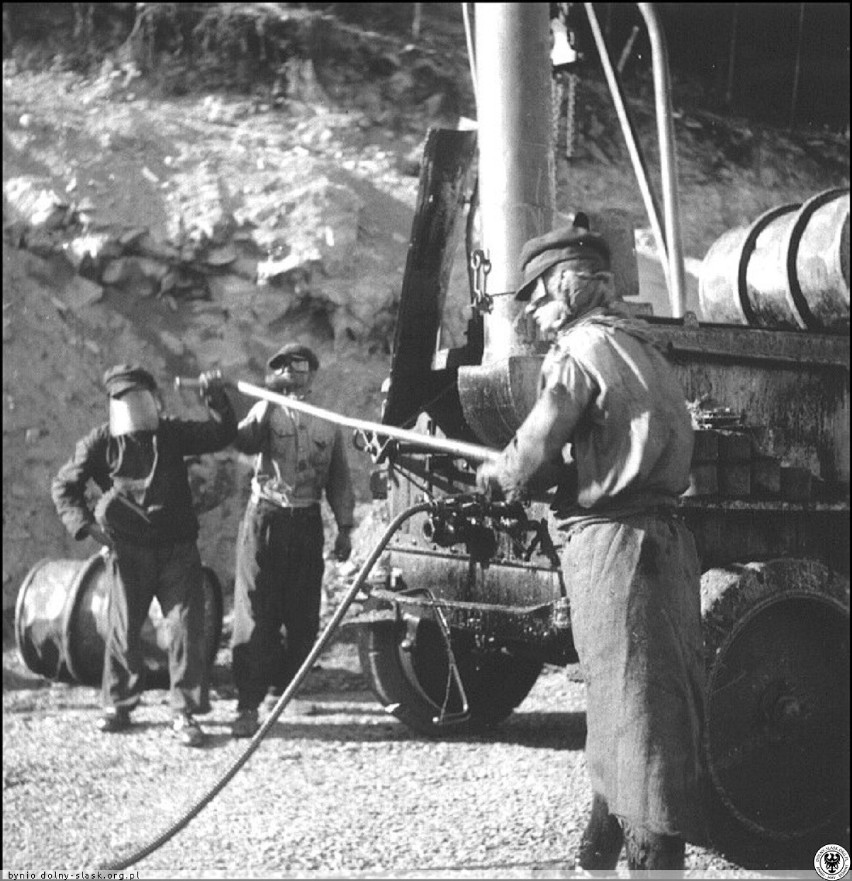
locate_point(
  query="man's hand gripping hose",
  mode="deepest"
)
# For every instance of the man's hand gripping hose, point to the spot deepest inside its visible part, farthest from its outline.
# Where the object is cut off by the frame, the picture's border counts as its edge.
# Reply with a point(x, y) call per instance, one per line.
point(282, 702)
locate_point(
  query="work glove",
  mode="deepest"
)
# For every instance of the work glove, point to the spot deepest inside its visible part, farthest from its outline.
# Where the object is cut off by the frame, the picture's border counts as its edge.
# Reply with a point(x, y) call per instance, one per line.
point(212, 386)
point(488, 483)
point(343, 545)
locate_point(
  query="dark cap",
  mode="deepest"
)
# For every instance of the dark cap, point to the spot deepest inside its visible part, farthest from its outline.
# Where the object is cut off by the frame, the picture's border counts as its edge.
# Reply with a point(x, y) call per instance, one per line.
point(293, 350)
point(568, 243)
point(126, 377)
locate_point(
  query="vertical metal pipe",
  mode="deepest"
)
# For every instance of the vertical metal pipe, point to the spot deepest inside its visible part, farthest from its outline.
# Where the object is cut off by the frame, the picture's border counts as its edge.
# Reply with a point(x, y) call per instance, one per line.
point(516, 155)
point(668, 160)
point(798, 66)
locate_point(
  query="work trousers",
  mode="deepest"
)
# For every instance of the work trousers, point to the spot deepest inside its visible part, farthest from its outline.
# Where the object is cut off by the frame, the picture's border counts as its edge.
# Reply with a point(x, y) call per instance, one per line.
point(172, 573)
point(277, 596)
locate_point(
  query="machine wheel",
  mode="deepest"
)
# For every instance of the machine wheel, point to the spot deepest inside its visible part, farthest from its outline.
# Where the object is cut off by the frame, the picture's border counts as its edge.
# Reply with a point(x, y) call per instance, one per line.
point(407, 668)
point(777, 728)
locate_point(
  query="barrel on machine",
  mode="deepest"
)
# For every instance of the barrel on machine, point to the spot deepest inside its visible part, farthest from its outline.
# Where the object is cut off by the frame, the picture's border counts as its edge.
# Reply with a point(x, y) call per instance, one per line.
point(787, 270)
point(61, 622)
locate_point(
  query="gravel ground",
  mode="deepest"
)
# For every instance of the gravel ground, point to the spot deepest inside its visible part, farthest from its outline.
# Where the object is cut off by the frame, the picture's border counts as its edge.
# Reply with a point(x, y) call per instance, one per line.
point(338, 788)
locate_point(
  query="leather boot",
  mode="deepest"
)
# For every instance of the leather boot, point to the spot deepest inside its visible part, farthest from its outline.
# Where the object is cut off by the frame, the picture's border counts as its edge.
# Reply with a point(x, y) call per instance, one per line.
point(650, 850)
point(601, 843)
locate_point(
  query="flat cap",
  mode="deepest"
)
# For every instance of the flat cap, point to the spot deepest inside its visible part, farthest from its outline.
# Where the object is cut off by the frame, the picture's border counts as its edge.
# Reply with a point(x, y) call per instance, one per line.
point(126, 377)
point(293, 350)
point(568, 243)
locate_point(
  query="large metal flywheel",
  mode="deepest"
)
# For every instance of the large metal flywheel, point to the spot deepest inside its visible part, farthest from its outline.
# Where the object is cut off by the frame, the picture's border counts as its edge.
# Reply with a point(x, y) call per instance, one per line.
point(777, 728)
point(406, 661)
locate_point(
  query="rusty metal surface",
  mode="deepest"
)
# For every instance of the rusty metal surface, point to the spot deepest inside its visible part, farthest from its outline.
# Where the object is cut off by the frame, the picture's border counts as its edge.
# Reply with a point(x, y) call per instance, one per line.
point(792, 389)
point(729, 532)
point(496, 397)
point(541, 628)
point(447, 156)
point(749, 344)
point(451, 576)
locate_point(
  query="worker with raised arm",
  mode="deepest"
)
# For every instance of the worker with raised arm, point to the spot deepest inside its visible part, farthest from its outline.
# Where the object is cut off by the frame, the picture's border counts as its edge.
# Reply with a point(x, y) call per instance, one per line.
point(145, 517)
point(279, 559)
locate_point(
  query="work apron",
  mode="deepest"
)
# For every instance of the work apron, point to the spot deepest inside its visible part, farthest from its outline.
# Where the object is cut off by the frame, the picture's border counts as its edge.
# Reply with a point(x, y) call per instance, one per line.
point(634, 589)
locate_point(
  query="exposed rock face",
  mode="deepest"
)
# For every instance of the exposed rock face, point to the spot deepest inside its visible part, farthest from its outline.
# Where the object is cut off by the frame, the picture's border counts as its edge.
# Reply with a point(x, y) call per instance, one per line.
point(269, 247)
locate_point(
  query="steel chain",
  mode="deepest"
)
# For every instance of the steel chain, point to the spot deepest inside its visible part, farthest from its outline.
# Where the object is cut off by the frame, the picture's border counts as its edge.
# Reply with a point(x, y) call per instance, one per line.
point(571, 116)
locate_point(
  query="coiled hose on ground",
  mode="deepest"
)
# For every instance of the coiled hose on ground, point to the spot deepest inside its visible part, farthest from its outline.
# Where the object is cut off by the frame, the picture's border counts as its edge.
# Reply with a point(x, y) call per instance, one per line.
point(282, 702)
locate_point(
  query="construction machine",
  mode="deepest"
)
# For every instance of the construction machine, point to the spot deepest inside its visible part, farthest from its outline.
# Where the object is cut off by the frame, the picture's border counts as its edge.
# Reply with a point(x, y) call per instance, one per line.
point(467, 604)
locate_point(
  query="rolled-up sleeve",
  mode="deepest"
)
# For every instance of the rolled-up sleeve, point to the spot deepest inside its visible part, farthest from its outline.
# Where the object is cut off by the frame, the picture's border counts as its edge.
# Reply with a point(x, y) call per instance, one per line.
point(251, 432)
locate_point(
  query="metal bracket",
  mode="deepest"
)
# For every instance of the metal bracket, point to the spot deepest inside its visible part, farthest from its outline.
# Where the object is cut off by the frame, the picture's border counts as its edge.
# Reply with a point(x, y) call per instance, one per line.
point(481, 266)
point(369, 442)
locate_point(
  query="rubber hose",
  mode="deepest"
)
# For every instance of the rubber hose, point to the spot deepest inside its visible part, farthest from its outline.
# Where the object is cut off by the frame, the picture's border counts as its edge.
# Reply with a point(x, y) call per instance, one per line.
point(282, 702)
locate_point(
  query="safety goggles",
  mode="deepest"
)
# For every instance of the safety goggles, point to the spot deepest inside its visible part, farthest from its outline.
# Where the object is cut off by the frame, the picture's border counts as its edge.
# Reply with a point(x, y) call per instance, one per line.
point(294, 365)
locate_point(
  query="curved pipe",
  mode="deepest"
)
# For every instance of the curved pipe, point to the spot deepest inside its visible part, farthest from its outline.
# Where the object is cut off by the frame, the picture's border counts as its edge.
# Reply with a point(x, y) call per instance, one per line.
point(633, 148)
point(668, 238)
point(668, 170)
point(285, 698)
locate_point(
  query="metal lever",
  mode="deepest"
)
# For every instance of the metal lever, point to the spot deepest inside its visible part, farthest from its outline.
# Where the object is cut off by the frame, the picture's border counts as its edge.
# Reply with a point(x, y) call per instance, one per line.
point(192, 382)
point(464, 714)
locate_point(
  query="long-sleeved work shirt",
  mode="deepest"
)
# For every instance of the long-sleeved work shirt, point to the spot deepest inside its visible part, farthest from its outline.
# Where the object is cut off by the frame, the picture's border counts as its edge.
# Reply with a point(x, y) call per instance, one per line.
point(297, 457)
point(150, 464)
point(610, 393)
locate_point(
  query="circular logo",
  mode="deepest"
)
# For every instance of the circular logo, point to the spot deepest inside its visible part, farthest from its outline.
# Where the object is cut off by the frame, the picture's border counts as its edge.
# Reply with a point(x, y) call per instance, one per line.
point(832, 861)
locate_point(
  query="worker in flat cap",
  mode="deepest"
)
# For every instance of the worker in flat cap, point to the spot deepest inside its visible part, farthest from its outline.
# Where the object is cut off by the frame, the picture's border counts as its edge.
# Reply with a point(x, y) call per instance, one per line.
point(145, 518)
point(279, 560)
point(611, 423)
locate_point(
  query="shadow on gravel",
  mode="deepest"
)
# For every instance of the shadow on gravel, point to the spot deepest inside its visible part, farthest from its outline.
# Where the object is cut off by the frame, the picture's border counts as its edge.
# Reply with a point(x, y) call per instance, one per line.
point(320, 680)
point(561, 731)
point(551, 730)
point(14, 681)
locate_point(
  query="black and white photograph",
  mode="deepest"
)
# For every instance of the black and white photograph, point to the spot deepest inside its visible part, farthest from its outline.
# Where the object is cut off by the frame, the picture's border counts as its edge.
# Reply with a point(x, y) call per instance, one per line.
point(426, 445)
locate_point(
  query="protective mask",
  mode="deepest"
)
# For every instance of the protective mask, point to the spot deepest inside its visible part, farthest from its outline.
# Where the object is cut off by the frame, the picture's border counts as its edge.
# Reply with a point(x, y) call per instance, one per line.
point(292, 378)
point(136, 410)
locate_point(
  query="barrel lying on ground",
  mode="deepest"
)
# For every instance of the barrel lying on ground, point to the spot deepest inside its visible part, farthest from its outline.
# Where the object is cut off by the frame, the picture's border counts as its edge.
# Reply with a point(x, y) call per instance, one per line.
point(61, 622)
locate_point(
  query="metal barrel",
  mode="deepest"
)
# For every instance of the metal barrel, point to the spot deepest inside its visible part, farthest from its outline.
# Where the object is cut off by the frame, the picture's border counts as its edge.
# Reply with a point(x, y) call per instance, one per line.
point(61, 622)
point(787, 270)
